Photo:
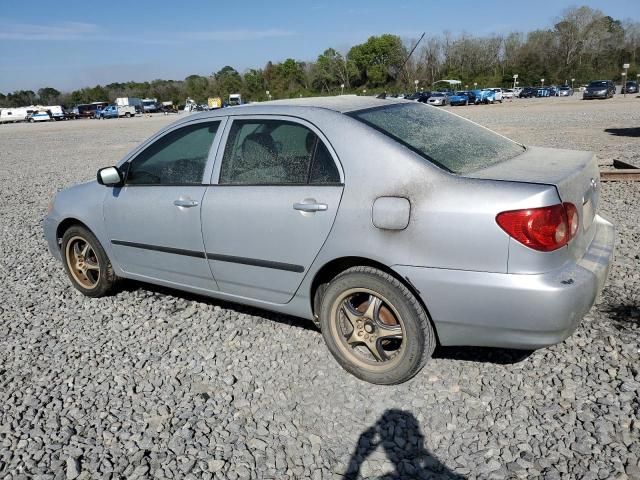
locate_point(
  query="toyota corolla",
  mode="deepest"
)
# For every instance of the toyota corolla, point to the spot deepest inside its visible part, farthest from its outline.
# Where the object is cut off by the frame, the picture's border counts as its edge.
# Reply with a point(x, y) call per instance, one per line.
point(392, 225)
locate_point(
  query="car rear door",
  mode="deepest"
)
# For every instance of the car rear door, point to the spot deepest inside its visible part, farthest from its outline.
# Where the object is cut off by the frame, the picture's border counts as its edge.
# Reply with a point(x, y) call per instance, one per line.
point(275, 192)
point(153, 221)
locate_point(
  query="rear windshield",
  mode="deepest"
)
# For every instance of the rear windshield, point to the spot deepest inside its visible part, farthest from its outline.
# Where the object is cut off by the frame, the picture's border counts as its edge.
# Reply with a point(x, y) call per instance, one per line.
point(447, 140)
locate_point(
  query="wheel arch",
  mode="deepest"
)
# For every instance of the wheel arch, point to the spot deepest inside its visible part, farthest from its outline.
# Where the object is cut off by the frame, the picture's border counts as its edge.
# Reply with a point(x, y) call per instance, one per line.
point(67, 223)
point(338, 265)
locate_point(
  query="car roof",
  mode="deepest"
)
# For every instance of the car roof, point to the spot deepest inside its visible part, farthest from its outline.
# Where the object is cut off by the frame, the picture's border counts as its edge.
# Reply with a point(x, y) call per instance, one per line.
point(341, 103)
point(302, 107)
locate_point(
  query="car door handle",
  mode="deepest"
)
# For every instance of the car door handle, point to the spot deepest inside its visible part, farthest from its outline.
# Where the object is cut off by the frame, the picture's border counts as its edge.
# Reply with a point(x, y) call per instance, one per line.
point(185, 203)
point(310, 207)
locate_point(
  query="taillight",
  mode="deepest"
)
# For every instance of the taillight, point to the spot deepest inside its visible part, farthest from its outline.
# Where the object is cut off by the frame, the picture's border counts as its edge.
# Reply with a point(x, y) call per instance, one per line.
point(572, 219)
point(544, 229)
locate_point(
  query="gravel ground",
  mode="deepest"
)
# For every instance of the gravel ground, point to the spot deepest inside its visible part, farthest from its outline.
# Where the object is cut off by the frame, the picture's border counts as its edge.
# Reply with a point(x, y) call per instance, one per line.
point(156, 383)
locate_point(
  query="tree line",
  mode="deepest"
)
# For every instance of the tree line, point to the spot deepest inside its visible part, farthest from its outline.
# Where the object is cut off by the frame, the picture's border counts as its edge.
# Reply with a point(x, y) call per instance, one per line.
point(582, 44)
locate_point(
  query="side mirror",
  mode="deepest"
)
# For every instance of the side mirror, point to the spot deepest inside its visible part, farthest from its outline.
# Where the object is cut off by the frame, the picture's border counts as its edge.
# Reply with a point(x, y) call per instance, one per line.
point(110, 176)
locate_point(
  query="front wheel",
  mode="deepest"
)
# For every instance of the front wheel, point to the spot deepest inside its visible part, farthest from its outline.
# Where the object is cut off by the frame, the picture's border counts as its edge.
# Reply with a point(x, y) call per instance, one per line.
point(86, 262)
point(375, 327)
point(128, 115)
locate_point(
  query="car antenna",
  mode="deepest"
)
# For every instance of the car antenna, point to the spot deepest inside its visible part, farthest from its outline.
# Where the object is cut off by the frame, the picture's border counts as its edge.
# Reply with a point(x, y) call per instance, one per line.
point(406, 74)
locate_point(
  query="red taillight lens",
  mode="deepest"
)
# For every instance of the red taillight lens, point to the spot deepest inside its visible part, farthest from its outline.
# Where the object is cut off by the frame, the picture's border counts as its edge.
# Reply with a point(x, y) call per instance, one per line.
point(544, 229)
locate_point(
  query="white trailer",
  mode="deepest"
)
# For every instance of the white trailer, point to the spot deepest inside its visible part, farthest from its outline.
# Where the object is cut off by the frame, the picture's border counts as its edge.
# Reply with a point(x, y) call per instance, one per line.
point(131, 102)
point(8, 115)
point(55, 111)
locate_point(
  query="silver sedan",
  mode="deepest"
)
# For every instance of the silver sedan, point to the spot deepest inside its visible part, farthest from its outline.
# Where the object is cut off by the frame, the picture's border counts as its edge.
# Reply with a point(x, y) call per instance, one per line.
point(392, 225)
point(438, 99)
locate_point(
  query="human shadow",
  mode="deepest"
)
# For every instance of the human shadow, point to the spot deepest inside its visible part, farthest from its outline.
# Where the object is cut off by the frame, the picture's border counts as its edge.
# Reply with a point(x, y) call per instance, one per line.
point(623, 316)
point(398, 433)
point(624, 132)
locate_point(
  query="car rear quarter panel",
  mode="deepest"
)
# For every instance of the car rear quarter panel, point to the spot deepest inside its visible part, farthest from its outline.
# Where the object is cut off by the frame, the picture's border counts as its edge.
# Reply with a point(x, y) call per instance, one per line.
point(452, 219)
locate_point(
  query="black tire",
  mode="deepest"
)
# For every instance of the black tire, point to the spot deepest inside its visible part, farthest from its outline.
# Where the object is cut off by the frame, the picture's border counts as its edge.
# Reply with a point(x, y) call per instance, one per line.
point(414, 346)
point(128, 115)
point(104, 280)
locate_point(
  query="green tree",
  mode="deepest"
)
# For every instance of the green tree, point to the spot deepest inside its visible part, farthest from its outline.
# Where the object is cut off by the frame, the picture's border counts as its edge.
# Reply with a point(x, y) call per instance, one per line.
point(254, 85)
point(378, 61)
point(227, 81)
point(196, 87)
point(48, 95)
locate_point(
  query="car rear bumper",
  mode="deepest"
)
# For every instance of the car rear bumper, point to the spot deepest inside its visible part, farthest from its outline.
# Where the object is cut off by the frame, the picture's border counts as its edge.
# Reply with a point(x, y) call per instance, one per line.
point(514, 310)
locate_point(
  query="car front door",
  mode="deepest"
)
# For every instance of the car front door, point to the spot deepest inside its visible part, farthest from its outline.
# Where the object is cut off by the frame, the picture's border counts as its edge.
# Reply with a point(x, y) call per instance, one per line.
point(153, 220)
point(276, 190)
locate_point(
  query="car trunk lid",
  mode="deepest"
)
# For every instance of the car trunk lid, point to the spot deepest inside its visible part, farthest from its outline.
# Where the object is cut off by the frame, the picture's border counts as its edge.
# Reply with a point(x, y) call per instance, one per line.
point(574, 173)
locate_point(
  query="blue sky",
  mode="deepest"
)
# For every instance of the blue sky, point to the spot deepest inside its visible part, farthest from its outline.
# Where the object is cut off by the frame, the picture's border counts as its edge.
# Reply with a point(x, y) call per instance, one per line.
point(75, 43)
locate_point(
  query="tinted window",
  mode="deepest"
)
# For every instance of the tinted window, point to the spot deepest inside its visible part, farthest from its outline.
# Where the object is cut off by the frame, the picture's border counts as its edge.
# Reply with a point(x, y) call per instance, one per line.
point(268, 152)
point(449, 141)
point(178, 158)
point(598, 84)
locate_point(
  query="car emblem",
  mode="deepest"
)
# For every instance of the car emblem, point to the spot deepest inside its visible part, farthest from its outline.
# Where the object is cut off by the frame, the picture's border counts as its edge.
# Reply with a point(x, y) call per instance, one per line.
point(594, 183)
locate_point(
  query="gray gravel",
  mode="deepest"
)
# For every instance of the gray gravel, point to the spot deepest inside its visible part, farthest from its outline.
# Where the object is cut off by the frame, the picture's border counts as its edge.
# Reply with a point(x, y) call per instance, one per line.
point(152, 383)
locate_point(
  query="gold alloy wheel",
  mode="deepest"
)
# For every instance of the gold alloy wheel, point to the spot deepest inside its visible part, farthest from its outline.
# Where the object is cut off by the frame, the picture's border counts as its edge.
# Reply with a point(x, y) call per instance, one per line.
point(83, 262)
point(368, 328)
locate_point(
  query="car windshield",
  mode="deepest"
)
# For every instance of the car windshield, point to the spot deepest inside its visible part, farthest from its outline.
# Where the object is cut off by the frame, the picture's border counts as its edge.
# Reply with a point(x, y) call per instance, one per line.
point(598, 84)
point(447, 140)
point(437, 94)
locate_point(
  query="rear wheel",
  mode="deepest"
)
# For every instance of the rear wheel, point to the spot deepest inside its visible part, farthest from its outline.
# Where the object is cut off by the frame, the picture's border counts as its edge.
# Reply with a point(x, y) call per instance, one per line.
point(374, 326)
point(128, 115)
point(86, 262)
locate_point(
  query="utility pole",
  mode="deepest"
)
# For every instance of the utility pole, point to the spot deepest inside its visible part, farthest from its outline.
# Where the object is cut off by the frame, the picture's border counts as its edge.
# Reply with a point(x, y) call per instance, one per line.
point(624, 78)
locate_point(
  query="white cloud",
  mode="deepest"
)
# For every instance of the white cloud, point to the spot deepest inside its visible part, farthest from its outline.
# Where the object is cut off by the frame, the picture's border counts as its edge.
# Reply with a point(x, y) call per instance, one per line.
point(58, 31)
point(238, 35)
point(65, 31)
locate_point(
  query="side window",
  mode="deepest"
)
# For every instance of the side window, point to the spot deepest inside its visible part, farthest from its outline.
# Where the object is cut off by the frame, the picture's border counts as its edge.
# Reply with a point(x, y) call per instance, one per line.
point(323, 168)
point(269, 152)
point(177, 158)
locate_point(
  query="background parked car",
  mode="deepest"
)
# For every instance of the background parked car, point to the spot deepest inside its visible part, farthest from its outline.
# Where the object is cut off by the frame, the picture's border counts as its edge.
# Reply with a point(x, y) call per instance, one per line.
point(543, 92)
point(438, 99)
point(599, 89)
point(497, 94)
point(508, 94)
point(39, 116)
point(471, 94)
point(485, 95)
point(527, 92)
point(565, 91)
point(630, 87)
point(458, 98)
point(116, 111)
